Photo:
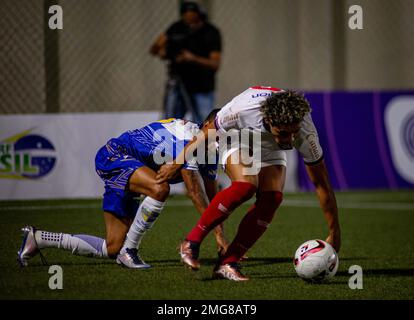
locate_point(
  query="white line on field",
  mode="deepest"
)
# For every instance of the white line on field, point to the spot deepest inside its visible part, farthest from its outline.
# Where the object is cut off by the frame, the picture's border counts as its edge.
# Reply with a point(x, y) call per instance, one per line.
point(187, 203)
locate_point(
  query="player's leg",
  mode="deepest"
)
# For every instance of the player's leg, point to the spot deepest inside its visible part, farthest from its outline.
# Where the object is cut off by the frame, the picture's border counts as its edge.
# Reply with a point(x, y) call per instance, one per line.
point(143, 182)
point(78, 244)
point(268, 198)
point(116, 230)
point(87, 245)
point(226, 201)
point(255, 222)
point(243, 187)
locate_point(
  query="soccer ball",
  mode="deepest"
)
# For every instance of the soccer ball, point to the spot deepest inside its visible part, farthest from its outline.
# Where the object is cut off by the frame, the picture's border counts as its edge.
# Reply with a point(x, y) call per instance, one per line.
point(316, 261)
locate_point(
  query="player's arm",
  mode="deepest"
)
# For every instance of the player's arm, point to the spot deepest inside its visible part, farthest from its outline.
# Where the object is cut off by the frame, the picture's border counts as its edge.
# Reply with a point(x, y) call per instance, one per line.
point(319, 176)
point(170, 170)
point(201, 198)
point(211, 187)
point(159, 47)
point(211, 62)
point(193, 183)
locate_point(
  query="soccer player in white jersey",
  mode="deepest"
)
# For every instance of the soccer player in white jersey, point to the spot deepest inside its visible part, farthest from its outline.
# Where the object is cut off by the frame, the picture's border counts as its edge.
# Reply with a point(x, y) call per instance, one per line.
point(283, 120)
point(128, 166)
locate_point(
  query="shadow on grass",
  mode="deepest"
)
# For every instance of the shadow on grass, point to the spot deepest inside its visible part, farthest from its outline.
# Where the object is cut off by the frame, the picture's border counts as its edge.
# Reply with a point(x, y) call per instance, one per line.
point(251, 262)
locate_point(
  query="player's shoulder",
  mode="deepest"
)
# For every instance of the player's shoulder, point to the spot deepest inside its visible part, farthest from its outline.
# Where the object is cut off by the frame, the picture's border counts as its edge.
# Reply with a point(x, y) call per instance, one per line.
point(255, 95)
point(180, 128)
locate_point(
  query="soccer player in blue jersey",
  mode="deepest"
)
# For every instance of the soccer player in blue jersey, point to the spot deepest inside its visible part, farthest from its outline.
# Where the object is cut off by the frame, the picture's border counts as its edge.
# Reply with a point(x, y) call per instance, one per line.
point(128, 166)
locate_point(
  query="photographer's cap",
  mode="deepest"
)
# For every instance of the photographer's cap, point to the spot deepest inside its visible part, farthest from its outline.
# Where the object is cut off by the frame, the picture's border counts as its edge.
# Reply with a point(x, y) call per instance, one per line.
point(189, 6)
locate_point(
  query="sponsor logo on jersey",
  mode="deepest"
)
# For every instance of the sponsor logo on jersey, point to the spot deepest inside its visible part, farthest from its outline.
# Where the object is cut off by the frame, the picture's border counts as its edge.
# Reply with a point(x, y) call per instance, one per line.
point(264, 94)
point(26, 156)
point(231, 117)
point(261, 94)
point(313, 146)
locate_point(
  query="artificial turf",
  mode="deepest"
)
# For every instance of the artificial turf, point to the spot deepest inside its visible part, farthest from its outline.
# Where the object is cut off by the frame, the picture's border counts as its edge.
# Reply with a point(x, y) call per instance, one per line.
point(377, 234)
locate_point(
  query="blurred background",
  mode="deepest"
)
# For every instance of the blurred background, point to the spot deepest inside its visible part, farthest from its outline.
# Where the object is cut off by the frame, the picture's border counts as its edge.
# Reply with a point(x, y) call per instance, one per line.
point(65, 93)
point(359, 82)
point(100, 60)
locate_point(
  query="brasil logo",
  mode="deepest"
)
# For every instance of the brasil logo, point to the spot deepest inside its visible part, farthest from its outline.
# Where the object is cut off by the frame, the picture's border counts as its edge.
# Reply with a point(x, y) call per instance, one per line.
point(26, 156)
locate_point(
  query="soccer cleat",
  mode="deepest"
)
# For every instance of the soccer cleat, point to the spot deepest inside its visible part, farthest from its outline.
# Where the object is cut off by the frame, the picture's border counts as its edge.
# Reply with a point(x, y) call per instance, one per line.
point(29, 246)
point(131, 259)
point(229, 271)
point(189, 254)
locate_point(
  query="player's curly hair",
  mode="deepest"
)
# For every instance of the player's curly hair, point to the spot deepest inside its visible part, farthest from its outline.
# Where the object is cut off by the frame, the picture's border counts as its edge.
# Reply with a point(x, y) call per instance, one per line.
point(285, 107)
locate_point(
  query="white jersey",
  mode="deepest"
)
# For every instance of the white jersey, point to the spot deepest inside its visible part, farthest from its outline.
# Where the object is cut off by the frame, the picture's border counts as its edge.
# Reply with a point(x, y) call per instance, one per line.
point(243, 112)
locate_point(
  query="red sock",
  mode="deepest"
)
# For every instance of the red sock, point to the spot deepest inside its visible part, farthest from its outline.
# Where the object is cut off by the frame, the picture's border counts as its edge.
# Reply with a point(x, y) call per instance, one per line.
point(224, 203)
point(253, 225)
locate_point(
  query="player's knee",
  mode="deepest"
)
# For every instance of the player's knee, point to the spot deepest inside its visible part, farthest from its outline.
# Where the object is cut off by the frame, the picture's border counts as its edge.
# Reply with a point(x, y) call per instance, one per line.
point(160, 192)
point(243, 190)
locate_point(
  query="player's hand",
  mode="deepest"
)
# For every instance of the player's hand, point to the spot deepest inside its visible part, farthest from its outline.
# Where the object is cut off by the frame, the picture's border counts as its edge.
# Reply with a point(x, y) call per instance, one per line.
point(167, 172)
point(222, 244)
point(334, 239)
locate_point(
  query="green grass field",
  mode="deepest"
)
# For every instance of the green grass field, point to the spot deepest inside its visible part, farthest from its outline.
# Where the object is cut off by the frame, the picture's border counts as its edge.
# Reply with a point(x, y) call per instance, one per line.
point(377, 231)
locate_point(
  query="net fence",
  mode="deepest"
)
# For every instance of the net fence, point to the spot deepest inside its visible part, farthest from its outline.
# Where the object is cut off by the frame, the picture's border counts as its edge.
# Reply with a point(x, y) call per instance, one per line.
point(100, 61)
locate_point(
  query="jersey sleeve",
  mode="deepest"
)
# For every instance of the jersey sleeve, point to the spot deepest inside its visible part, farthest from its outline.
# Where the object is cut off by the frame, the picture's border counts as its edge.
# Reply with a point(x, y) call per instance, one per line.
point(191, 164)
point(226, 120)
point(307, 143)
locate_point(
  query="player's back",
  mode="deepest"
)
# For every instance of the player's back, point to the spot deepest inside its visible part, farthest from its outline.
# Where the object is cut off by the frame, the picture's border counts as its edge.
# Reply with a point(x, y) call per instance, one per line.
point(243, 111)
point(159, 140)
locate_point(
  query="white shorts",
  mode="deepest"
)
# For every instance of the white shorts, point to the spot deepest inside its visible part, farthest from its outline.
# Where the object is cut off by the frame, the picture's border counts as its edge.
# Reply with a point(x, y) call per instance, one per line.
point(266, 154)
point(268, 157)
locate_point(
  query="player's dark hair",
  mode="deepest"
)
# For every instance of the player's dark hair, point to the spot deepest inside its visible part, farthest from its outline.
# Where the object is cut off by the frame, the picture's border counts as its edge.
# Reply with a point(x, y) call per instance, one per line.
point(212, 115)
point(285, 107)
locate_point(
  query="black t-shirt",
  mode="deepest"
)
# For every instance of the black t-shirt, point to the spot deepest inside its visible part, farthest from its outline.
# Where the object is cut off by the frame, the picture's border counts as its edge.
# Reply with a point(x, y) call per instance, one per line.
point(200, 42)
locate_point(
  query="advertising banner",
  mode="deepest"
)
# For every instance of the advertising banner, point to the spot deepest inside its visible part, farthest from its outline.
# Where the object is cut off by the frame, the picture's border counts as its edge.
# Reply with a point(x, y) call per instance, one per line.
point(53, 156)
point(367, 137)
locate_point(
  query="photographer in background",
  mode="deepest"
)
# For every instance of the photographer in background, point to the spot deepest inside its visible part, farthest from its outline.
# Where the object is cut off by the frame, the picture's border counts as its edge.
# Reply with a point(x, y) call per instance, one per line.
point(192, 47)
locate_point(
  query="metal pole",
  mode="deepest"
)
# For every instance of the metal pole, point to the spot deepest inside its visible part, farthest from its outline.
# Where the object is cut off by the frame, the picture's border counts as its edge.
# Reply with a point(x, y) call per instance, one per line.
point(339, 45)
point(51, 60)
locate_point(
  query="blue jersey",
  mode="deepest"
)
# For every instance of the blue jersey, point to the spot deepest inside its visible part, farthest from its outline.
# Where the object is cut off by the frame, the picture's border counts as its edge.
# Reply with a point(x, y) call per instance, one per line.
point(163, 141)
point(150, 146)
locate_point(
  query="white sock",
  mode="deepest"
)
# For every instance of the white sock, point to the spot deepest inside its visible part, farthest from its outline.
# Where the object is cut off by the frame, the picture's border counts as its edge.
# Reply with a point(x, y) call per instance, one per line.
point(145, 218)
point(79, 244)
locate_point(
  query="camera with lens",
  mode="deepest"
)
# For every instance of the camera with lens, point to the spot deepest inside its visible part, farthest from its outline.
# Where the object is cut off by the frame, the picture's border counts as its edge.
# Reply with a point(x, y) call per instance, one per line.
point(176, 42)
